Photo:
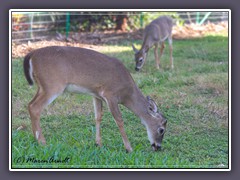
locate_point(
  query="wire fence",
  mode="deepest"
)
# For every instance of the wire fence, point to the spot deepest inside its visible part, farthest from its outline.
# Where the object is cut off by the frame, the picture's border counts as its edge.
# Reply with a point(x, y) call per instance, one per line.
point(42, 25)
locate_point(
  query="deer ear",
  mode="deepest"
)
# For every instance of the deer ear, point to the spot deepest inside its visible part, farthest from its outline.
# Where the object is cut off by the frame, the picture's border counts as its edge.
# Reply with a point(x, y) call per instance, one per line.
point(148, 98)
point(152, 107)
point(134, 49)
point(164, 121)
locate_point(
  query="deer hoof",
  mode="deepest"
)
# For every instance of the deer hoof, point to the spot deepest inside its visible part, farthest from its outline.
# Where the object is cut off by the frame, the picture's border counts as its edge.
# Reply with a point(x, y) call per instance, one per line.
point(129, 150)
point(98, 144)
point(42, 141)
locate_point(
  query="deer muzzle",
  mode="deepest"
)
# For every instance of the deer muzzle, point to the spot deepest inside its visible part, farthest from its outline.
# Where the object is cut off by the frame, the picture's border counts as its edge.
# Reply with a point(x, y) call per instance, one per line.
point(156, 147)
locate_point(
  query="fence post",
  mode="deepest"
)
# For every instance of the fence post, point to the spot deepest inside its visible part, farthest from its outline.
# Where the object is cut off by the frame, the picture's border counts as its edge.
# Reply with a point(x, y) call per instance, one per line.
point(204, 18)
point(67, 24)
point(141, 19)
point(31, 24)
point(197, 17)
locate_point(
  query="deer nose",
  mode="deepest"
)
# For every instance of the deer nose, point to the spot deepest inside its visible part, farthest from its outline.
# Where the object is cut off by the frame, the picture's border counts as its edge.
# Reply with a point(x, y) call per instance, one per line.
point(137, 69)
point(156, 147)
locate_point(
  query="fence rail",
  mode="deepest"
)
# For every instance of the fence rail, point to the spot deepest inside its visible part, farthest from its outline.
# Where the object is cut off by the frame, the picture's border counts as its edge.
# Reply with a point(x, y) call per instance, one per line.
point(42, 25)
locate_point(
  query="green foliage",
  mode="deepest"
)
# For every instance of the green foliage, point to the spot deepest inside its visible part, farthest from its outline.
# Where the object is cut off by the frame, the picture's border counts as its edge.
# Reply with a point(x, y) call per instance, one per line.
point(140, 20)
point(193, 97)
point(91, 21)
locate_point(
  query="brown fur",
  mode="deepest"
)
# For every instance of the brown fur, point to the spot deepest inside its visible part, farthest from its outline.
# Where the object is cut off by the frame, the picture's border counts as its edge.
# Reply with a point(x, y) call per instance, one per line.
point(156, 32)
point(57, 69)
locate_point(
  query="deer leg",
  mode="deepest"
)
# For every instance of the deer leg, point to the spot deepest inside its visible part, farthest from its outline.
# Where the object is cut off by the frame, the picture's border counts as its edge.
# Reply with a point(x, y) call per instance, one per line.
point(113, 106)
point(98, 117)
point(171, 49)
point(35, 108)
point(156, 55)
point(161, 49)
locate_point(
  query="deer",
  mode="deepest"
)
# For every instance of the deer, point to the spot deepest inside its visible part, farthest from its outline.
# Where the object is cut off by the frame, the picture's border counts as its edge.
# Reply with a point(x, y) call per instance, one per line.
point(59, 69)
point(156, 32)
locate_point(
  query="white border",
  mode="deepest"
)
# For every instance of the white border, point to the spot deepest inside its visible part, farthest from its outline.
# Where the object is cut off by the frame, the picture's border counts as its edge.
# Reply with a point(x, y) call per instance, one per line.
point(114, 10)
point(230, 86)
point(10, 90)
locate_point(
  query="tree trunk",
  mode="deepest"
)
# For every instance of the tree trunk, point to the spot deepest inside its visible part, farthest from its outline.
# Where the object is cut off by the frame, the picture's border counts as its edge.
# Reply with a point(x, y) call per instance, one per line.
point(121, 22)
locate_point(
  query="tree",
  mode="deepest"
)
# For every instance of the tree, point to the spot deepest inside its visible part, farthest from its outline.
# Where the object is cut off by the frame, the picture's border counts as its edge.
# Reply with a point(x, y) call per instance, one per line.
point(121, 22)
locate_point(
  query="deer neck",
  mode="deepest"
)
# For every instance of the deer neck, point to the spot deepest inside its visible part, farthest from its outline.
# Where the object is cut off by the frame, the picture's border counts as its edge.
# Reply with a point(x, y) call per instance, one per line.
point(146, 45)
point(137, 103)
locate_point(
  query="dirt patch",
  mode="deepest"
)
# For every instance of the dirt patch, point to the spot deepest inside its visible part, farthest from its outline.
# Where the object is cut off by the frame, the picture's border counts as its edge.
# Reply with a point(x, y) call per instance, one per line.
point(189, 31)
point(97, 38)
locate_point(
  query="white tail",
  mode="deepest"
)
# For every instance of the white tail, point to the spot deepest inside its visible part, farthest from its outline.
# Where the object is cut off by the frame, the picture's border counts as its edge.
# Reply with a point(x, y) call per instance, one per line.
point(57, 69)
point(156, 32)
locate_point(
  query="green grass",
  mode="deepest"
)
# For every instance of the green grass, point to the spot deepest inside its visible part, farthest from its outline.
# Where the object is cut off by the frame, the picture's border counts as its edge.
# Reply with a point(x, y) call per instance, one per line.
point(193, 97)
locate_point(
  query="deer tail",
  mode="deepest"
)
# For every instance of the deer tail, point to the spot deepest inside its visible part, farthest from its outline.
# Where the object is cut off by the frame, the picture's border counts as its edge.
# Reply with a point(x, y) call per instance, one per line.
point(28, 68)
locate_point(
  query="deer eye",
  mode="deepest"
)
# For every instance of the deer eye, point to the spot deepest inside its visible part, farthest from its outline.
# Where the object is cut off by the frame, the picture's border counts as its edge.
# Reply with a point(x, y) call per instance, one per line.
point(161, 130)
point(140, 60)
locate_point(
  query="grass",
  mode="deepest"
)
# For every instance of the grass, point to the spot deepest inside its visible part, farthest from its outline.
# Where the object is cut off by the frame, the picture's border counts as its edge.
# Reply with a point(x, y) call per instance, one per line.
point(193, 97)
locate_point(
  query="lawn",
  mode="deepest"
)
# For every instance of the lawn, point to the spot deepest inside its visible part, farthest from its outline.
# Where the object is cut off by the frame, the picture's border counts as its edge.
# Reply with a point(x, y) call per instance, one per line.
point(193, 97)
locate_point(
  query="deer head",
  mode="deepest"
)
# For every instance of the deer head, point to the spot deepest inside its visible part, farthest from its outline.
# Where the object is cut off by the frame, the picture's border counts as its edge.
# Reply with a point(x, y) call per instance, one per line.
point(156, 126)
point(140, 57)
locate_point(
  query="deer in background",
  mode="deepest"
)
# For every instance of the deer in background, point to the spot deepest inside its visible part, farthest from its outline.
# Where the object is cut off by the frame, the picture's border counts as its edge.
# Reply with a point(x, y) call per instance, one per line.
point(156, 32)
point(56, 69)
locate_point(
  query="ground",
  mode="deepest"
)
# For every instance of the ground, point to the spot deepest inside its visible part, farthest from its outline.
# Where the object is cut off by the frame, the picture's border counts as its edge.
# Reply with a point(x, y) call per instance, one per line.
point(94, 40)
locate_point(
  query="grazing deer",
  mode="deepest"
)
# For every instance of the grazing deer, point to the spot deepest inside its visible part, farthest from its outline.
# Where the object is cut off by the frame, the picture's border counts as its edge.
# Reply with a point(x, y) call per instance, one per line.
point(56, 69)
point(156, 32)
